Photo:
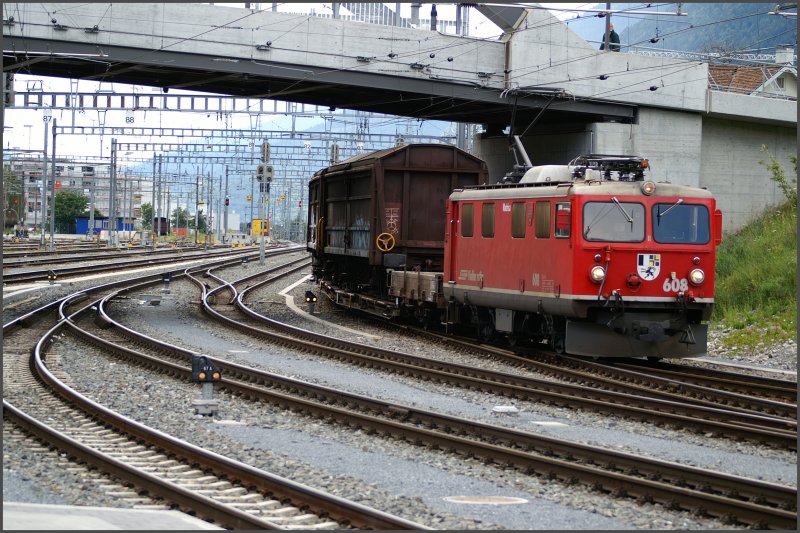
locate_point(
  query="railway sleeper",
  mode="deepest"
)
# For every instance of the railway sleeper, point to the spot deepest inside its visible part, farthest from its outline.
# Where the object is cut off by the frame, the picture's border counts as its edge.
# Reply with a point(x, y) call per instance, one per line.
point(207, 481)
point(152, 507)
point(248, 499)
point(304, 519)
point(257, 507)
point(318, 527)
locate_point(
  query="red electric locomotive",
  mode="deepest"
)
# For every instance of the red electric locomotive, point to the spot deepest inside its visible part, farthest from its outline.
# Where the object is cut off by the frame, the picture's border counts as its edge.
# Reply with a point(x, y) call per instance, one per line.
point(588, 256)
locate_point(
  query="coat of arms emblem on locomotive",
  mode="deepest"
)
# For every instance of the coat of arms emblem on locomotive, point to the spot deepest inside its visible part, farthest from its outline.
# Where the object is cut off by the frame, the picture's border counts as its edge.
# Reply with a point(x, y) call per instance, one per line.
point(649, 265)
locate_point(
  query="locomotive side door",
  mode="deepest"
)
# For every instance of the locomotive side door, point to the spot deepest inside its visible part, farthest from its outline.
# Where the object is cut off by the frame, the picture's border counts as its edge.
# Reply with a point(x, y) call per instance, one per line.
point(450, 239)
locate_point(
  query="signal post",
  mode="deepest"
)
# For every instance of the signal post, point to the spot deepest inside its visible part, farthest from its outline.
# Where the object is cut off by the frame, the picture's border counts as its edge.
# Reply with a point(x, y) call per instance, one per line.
point(264, 174)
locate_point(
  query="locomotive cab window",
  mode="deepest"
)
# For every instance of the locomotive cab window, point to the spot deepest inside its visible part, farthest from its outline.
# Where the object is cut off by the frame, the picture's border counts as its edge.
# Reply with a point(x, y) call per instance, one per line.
point(542, 214)
point(487, 220)
point(518, 220)
point(613, 221)
point(563, 214)
point(467, 219)
point(679, 223)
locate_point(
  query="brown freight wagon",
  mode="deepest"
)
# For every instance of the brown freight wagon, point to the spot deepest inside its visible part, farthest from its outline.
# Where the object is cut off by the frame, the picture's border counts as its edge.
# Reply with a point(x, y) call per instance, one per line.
point(385, 209)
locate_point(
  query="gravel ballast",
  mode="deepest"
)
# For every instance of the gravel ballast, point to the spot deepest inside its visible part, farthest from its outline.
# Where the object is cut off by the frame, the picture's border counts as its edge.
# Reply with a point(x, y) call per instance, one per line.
point(396, 477)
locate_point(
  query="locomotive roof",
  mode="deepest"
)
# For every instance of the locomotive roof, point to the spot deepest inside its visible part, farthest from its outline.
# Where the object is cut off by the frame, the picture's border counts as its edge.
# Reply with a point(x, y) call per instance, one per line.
point(549, 190)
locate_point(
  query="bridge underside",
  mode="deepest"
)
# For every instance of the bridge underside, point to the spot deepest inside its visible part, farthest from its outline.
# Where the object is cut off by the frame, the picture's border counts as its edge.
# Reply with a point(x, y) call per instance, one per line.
point(395, 95)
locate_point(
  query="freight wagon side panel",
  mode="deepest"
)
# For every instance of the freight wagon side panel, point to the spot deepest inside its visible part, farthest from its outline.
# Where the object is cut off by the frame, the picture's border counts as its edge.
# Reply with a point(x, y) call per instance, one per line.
point(347, 214)
point(412, 188)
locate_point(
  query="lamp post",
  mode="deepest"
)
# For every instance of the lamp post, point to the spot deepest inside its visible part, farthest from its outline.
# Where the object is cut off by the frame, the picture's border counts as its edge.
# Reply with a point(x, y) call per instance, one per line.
point(44, 185)
point(225, 211)
point(53, 193)
point(196, 206)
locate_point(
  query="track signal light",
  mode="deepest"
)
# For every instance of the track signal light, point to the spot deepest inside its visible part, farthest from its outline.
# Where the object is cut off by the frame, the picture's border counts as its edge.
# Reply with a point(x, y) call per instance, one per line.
point(203, 370)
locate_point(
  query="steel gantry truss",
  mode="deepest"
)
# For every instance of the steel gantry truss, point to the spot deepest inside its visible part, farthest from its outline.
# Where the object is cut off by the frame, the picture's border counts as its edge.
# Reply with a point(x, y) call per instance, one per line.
point(228, 133)
point(295, 154)
point(111, 100)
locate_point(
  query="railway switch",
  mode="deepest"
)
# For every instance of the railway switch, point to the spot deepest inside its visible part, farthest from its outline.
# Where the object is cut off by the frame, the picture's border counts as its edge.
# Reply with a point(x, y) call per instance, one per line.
point(99, 320)
point(311, 300)
point(205, 372)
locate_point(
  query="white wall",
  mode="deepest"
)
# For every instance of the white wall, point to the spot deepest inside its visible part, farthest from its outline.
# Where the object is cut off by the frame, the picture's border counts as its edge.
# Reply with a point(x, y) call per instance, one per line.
point(730, 169)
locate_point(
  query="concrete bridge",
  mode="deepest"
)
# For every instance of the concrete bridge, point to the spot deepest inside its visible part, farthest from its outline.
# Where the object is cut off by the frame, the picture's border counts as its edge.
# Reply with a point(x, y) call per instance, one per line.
point(579, 99)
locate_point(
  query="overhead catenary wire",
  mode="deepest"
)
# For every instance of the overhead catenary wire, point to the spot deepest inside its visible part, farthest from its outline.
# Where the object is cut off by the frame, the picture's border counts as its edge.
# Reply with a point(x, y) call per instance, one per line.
point(521, 73)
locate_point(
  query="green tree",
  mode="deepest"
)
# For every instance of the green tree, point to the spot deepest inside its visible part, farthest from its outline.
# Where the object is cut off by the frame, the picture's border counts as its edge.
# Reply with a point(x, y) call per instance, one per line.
point(13, 193)
point(147, 216)
point(180, 217)
point(787, 185)
point(69, 205)
point(201, 221)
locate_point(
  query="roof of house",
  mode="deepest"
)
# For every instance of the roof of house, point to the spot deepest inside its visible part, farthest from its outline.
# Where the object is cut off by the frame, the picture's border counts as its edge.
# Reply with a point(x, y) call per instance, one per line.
point(740, 78)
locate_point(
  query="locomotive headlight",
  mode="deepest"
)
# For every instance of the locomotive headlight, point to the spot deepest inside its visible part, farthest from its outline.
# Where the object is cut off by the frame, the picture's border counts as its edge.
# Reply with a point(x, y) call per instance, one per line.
point(597, 273)
point(697, 276)
point(648, 188)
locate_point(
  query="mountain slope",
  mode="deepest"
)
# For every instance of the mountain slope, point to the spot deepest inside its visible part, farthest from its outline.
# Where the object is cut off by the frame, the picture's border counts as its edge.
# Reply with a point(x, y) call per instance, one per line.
point(716, 27)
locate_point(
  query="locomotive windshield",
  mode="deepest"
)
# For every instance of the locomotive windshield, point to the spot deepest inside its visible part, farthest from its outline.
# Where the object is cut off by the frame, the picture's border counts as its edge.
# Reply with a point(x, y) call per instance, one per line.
point(613, 221)
point(679, 223)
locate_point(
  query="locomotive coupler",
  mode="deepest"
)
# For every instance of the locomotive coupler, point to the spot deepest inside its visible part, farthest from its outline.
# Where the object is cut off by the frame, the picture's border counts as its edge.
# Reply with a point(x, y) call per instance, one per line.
point(615, 299)
point(650, 331)
point(681, 299)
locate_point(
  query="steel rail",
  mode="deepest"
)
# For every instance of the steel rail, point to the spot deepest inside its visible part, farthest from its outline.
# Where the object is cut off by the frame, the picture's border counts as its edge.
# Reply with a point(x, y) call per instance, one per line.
point(339, 509)
point(186, 499)
point(76, 255)
point(251, 383)
point(16, 277)
point(348, 512)
point(580, 370)
point(719, 379)
point(772, 431)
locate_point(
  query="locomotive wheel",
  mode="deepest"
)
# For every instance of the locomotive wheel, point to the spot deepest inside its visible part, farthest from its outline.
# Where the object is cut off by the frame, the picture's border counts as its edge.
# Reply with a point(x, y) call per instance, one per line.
point(559, 344)
point(485, 331)
point(385, 242)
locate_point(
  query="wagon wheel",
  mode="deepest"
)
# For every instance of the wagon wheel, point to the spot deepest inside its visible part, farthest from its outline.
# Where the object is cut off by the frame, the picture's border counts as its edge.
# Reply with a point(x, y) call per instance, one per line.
point(385, 242)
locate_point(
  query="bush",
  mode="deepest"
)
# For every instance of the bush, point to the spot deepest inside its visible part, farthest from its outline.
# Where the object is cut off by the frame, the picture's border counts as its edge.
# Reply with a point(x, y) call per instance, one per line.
point(756, 280)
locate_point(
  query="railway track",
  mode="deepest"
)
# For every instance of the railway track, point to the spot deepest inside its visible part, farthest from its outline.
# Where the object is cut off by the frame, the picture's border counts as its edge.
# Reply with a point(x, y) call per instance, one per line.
point(218, 489)
point(760, 400)
point(96, 254)
point(764, 396)
point(31, 246)
point(619, 399)
point(770, 388)
point(10, 276)
point(729, 497)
